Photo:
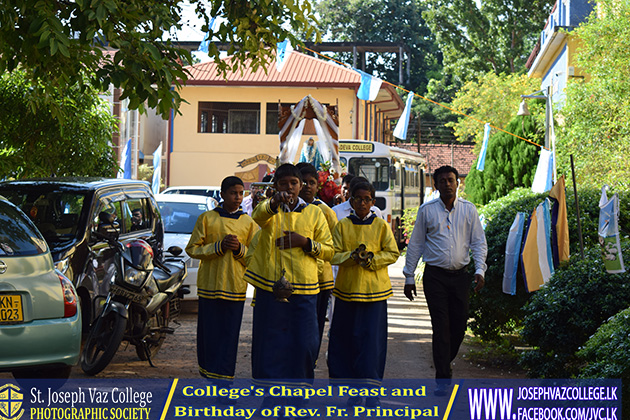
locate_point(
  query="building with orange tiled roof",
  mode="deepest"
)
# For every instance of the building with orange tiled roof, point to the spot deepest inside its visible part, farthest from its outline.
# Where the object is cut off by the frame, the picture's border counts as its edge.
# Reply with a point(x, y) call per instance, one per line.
point(229, 126)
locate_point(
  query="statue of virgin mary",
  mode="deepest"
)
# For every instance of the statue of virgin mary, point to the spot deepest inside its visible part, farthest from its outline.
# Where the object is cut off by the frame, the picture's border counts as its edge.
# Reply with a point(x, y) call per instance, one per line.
point(310, 154)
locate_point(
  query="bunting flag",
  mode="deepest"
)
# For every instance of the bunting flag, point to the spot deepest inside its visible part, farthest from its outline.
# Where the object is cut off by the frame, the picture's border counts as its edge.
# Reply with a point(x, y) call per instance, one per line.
point(536, 258)
point(282, 56)
point(544, 171)
point(400, 131)
point(370, 85)
point(512, 253)
point(125, 162)
point(559, 223)
point(609, 232)
point(481, 162)
point(205, 44)
point(157, 169)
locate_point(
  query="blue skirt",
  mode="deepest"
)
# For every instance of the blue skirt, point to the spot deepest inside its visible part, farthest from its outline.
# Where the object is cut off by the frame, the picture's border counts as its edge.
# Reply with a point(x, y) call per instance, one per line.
point(218, 329)
point(285, 340)
point(357, 347)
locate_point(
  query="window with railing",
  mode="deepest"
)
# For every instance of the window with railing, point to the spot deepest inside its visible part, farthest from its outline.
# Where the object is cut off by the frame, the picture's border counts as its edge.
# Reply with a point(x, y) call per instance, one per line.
point(229, 117)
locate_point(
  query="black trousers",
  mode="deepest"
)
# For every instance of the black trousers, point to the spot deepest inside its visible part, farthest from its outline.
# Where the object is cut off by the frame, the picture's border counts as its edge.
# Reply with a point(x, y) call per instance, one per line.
point(447, 294)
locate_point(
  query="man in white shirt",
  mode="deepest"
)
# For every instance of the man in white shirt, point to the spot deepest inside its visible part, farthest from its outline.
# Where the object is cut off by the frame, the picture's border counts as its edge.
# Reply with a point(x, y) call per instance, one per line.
point(446, 231)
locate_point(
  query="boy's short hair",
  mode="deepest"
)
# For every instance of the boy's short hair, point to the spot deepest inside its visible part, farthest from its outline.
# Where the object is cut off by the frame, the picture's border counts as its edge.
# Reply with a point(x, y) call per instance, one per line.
point(444, 170)
point(285, 170)
point(357, 180)
point(229, 182)
point(362, 185)
point(347, 179)
point(307, 169)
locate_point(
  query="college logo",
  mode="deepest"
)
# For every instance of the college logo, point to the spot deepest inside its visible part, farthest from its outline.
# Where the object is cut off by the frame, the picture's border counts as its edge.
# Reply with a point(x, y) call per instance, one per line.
point(10, 402)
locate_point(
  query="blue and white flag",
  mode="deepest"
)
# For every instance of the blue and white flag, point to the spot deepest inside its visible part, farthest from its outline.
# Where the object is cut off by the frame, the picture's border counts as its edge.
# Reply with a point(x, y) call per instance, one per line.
point(205, 44)
point(282, 56)
point(125, 162)
point(513, 253)
point(481, 162)
point(536, 257)
point(157, 169)
point(544, 172)
point(608, 232)
point(370, 85)
point(400, 131)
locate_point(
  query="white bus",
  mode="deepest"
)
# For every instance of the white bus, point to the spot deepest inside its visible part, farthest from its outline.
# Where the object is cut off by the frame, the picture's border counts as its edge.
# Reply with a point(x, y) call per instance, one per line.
point(397, 175)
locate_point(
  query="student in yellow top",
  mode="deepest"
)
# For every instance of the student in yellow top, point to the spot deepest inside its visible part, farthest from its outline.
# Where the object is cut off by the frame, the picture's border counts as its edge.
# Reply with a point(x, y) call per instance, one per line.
point(293, 235)
point(324, 269)
point(220, 239)
point(357, 346)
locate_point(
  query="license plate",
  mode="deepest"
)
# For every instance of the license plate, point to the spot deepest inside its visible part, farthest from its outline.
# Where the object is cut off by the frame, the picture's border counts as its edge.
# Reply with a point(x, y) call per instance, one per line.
point(11, 309)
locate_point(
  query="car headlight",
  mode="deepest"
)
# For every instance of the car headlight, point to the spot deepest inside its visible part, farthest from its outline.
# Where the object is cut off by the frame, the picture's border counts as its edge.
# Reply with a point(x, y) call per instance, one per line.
point(135, 277)
point(63, 265)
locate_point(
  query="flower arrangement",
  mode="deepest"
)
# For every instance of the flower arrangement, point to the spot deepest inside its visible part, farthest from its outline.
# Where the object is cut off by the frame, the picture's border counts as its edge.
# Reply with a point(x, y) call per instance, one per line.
point(329, 183)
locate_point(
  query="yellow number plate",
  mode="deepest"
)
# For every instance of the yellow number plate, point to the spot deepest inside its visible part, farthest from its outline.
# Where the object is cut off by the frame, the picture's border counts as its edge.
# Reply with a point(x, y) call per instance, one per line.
point(11, 309)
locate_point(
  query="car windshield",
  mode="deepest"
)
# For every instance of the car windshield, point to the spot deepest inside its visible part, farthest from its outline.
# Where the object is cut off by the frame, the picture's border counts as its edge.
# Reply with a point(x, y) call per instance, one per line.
point(180, 217)
point(55, 213)
point(17, 236)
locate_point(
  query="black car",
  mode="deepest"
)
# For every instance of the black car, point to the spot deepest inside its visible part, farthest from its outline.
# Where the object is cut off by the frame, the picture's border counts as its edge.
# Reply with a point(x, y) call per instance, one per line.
point(66, 211)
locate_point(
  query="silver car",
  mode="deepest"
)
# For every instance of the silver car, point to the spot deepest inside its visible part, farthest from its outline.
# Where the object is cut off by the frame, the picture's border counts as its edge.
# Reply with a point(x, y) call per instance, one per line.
point(40, 317)
point(179, 215)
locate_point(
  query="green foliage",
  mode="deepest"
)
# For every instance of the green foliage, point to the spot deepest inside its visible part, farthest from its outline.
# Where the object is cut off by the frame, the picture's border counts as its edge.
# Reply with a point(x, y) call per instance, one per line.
point(510, 162)
point(597, 112)
point(384, 21)
point(561, 317)
point(60, 43)
point(36, 144)
point(495, 313)
point(498, 36)
point(408, 221)
point(494, 99)
point(605, 354)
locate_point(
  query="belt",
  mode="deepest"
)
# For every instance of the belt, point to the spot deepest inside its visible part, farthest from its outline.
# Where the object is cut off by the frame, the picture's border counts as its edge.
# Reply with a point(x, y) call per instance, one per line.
point(451, 272)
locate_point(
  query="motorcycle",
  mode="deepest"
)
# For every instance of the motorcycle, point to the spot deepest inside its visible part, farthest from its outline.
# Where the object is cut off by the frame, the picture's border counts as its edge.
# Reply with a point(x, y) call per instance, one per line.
point(144, 296)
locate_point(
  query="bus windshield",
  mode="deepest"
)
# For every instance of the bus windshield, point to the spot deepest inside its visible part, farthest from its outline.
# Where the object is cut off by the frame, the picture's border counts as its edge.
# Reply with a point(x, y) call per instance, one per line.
point(376, 170)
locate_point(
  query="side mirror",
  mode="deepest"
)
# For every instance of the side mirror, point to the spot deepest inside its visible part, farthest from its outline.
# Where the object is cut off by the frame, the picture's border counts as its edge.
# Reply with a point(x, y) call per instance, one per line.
point(392, 172)
point(174, 250)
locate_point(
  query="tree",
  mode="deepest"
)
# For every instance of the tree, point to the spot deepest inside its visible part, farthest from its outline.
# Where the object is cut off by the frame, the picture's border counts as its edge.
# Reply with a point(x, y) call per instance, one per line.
point(497, 37)
point(597, 112)
point(61, 43)
point(384, 21)
point(37, 144)
point(494, 99)
point(510, 162)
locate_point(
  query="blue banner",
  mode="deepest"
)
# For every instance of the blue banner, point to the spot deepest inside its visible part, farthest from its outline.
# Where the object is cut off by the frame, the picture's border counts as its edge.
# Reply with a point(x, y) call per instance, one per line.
point(125, 162)
point(481, 162)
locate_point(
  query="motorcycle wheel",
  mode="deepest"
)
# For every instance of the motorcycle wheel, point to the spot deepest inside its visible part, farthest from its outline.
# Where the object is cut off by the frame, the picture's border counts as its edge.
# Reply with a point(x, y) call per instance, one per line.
point(102, 342)
point(155, 338)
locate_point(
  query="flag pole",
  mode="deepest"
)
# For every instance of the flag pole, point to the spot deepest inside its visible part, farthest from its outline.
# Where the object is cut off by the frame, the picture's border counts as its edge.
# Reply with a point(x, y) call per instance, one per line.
point(577, 209)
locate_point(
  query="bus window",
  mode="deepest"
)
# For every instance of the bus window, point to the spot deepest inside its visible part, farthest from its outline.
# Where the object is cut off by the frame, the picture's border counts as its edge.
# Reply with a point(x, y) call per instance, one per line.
point(376, 170)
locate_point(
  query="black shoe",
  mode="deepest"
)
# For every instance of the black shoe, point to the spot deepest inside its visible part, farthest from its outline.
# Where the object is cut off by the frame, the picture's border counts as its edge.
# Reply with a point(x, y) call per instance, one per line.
point(441, 390)
point(354, 401)
point(372, 402)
